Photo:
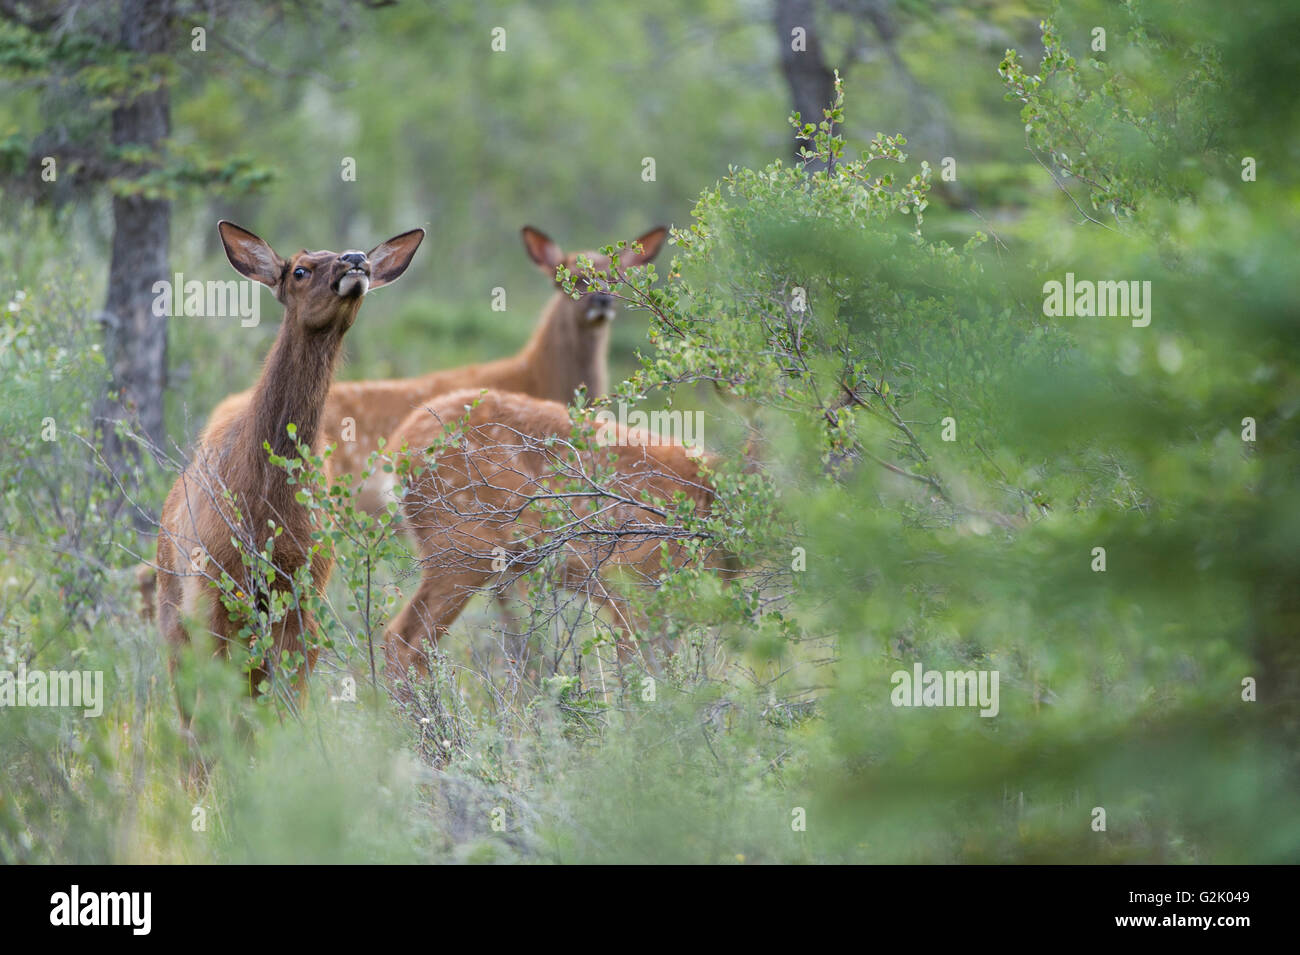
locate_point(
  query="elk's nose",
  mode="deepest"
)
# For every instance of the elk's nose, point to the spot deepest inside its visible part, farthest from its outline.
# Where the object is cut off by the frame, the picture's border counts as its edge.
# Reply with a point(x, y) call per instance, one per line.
point(353, 258)
point(601, 300)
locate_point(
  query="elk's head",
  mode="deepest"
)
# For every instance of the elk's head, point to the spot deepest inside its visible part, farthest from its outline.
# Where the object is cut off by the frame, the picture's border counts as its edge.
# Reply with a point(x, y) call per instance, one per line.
point(320, 291)
point(596, 306)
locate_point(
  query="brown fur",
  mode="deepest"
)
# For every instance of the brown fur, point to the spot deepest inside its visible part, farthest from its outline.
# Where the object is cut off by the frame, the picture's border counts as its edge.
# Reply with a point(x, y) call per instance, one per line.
point(474, 501)
point(194, 541)
point(146, 579)
point(569, 349)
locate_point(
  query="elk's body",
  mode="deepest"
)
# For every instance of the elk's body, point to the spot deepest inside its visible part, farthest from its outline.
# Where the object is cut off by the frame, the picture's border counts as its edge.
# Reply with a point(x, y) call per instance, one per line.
point(230, 489)
point(475, 499)
point(568, 350)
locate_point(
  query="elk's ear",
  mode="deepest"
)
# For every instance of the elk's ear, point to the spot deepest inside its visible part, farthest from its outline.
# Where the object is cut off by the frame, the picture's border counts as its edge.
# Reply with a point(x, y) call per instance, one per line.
point(250, 256)
point(650, 244)
point(542, 249)
point(389, 260)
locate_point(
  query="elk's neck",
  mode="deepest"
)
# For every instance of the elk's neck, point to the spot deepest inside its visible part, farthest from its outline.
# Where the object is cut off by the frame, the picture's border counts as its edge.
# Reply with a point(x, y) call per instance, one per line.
point(564, 355)
point(292, 388)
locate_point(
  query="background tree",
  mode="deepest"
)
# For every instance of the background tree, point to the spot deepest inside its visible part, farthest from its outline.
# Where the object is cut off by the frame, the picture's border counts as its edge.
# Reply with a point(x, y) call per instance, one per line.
point(105, 77)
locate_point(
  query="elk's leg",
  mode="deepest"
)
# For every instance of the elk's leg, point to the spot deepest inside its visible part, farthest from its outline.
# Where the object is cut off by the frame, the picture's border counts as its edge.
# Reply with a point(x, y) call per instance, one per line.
point(146, 579)
point(581, 575)
point(169, 598)
point(169, 611)
point(430, 612)
point(628, 648)
point(287, 637)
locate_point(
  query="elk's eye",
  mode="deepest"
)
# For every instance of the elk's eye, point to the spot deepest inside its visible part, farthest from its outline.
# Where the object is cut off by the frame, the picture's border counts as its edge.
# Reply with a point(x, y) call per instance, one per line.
point(300, 273)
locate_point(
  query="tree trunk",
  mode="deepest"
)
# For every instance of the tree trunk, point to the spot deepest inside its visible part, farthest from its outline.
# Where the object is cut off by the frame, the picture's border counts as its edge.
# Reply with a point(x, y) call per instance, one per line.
point(811, 81)
point(135, 340)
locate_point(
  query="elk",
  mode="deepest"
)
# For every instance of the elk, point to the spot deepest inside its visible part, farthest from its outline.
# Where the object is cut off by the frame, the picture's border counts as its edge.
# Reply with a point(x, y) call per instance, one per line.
point(569, 349)
point(230, 489)
point(501, 453)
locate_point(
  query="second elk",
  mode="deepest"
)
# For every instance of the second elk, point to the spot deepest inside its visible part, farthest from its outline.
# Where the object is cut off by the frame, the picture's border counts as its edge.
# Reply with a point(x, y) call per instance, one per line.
point(505, 486)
